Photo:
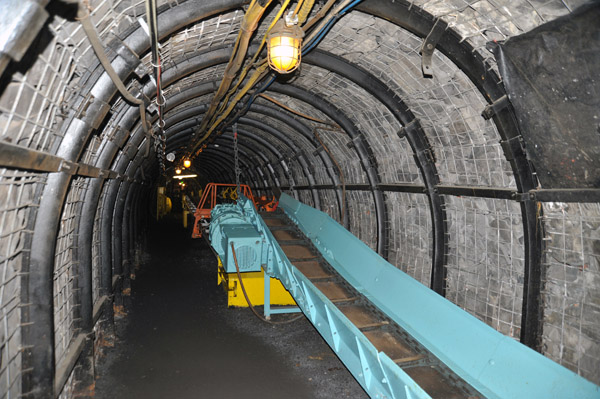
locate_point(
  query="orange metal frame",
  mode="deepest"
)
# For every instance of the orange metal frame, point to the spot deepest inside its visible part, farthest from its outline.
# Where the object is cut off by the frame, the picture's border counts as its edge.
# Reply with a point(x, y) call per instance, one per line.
point(209, 200)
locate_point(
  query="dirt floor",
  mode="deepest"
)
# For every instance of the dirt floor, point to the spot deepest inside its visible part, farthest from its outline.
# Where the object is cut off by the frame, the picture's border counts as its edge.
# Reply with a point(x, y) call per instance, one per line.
point(179, 339)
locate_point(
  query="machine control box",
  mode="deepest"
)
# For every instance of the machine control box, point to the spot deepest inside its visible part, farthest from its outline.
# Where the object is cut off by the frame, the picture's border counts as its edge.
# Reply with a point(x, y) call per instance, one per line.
point(248, 244)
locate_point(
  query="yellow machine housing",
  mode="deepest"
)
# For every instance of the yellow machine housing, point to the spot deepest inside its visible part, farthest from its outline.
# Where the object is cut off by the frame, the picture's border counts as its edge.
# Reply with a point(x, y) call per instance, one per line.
point(255, 288)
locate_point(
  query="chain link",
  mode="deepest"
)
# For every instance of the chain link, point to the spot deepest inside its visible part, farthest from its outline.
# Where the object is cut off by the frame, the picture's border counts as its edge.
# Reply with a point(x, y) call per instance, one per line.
point(160, 145)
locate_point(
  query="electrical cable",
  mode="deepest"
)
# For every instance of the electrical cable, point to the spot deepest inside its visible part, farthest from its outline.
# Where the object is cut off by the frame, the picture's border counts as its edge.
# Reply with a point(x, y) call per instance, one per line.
point(252, 98)
point(300, 114)
point(313, 42)
point(237, 269)
point(297, 9)
point(320, 14)
point(245, 71)
point(152, 20)
point(248, 26)
point(315, 37)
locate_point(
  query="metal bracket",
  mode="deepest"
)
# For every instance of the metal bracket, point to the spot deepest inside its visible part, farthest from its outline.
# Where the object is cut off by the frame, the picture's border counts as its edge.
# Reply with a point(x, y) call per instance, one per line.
point(561, 195)
point(492, 109)
point(428, 46)
point(297, 155)
point(92, 111)
point(427, 153)
point(132, 60)
point(354, 142)
point(514, 145)
point(408, 128)
point(68, 167)
point(522, 197)
point(88, 170)
point(318, 150)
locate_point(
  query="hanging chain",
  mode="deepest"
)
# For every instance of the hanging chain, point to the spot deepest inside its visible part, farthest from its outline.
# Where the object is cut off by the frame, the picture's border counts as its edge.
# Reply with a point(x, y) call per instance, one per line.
point(160, 143)
point(160, 103)
point(236, 159)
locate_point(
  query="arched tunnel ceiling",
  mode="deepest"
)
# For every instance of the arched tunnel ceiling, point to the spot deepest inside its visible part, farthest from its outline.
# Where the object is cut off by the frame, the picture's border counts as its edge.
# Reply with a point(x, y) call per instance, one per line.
point(407, 163)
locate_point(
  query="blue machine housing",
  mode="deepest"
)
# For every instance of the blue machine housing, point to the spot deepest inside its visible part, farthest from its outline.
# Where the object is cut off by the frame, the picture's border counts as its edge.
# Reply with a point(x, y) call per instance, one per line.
point(231, 223)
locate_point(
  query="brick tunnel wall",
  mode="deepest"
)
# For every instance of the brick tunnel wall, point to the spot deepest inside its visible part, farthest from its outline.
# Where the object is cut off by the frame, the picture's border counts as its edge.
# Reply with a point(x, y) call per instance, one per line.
point(484, 238)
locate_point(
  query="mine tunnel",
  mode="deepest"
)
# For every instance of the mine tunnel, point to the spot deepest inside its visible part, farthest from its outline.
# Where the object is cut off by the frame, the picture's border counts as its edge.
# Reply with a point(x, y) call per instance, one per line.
point(455, 144)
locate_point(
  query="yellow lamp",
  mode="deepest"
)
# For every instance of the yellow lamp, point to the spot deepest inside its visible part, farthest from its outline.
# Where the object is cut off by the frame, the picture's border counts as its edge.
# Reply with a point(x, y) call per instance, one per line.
point(177, 171)
point(284, 43)
point(187, 163)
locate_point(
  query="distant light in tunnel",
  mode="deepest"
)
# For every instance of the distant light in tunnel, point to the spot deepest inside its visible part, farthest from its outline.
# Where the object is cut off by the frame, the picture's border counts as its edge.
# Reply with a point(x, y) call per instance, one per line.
point(177, 171)
point(184, 176)
point(187, 163)
point(216, 146)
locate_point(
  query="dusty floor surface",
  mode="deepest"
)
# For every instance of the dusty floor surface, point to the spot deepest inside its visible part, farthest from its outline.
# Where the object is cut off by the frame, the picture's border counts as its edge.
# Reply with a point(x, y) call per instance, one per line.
point(179, 340)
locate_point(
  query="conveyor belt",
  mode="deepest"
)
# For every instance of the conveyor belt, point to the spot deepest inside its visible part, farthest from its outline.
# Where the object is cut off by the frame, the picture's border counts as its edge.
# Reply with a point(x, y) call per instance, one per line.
point(397, 337)
point(387, 336)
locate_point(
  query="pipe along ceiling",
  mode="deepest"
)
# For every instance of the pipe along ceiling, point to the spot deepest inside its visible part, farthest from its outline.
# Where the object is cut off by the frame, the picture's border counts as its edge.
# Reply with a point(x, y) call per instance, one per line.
point(395, 124)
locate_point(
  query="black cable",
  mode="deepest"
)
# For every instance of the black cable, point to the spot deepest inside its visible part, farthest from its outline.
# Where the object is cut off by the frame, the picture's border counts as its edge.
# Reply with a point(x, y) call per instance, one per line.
point(237, 269)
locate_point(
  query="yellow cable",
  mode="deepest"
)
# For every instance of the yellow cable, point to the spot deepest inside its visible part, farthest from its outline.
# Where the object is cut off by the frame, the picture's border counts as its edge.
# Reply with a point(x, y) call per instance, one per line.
point(258, 75)
point(298, 7)
point(237, 269)
point(245, 71)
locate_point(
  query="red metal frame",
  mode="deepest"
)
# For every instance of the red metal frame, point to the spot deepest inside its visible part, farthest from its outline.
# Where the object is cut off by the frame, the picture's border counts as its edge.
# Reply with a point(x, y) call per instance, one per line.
point(210, 194)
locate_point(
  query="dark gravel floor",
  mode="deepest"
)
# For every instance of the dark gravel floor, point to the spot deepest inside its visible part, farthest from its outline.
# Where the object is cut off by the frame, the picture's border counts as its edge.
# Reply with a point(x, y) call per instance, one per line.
point(179, 340)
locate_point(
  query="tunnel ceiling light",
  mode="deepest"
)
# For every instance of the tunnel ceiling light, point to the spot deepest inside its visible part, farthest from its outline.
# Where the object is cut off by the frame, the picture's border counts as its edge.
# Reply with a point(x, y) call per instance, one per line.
point(171, 156)
point(284, 42)
point(187, 163)
point(177, 171)
point(184, 176)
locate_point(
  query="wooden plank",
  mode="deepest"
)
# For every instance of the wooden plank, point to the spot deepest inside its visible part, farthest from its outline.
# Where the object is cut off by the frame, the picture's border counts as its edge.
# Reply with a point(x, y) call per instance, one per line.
point(392, 346)
point(285, 235)
point(361, 317)
point(312, 270)
point(435, 384)
point(333, 291)
point(297, 252)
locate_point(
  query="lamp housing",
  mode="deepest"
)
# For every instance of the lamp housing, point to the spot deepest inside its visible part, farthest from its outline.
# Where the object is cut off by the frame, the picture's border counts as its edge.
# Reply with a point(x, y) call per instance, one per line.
point(284, 47)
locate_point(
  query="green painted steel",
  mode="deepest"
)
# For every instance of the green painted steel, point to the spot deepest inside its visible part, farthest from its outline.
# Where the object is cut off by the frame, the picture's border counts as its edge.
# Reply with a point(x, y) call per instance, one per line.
point(497, 366)
point(494, 364)
point(230, 224)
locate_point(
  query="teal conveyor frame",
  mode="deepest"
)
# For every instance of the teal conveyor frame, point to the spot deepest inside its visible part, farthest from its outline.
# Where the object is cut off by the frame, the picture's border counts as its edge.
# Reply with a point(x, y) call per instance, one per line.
point(497, 366)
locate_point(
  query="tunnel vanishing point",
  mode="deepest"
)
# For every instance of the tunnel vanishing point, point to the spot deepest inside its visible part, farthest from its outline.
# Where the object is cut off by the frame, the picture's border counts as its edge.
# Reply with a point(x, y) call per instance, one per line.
point(458, 139)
